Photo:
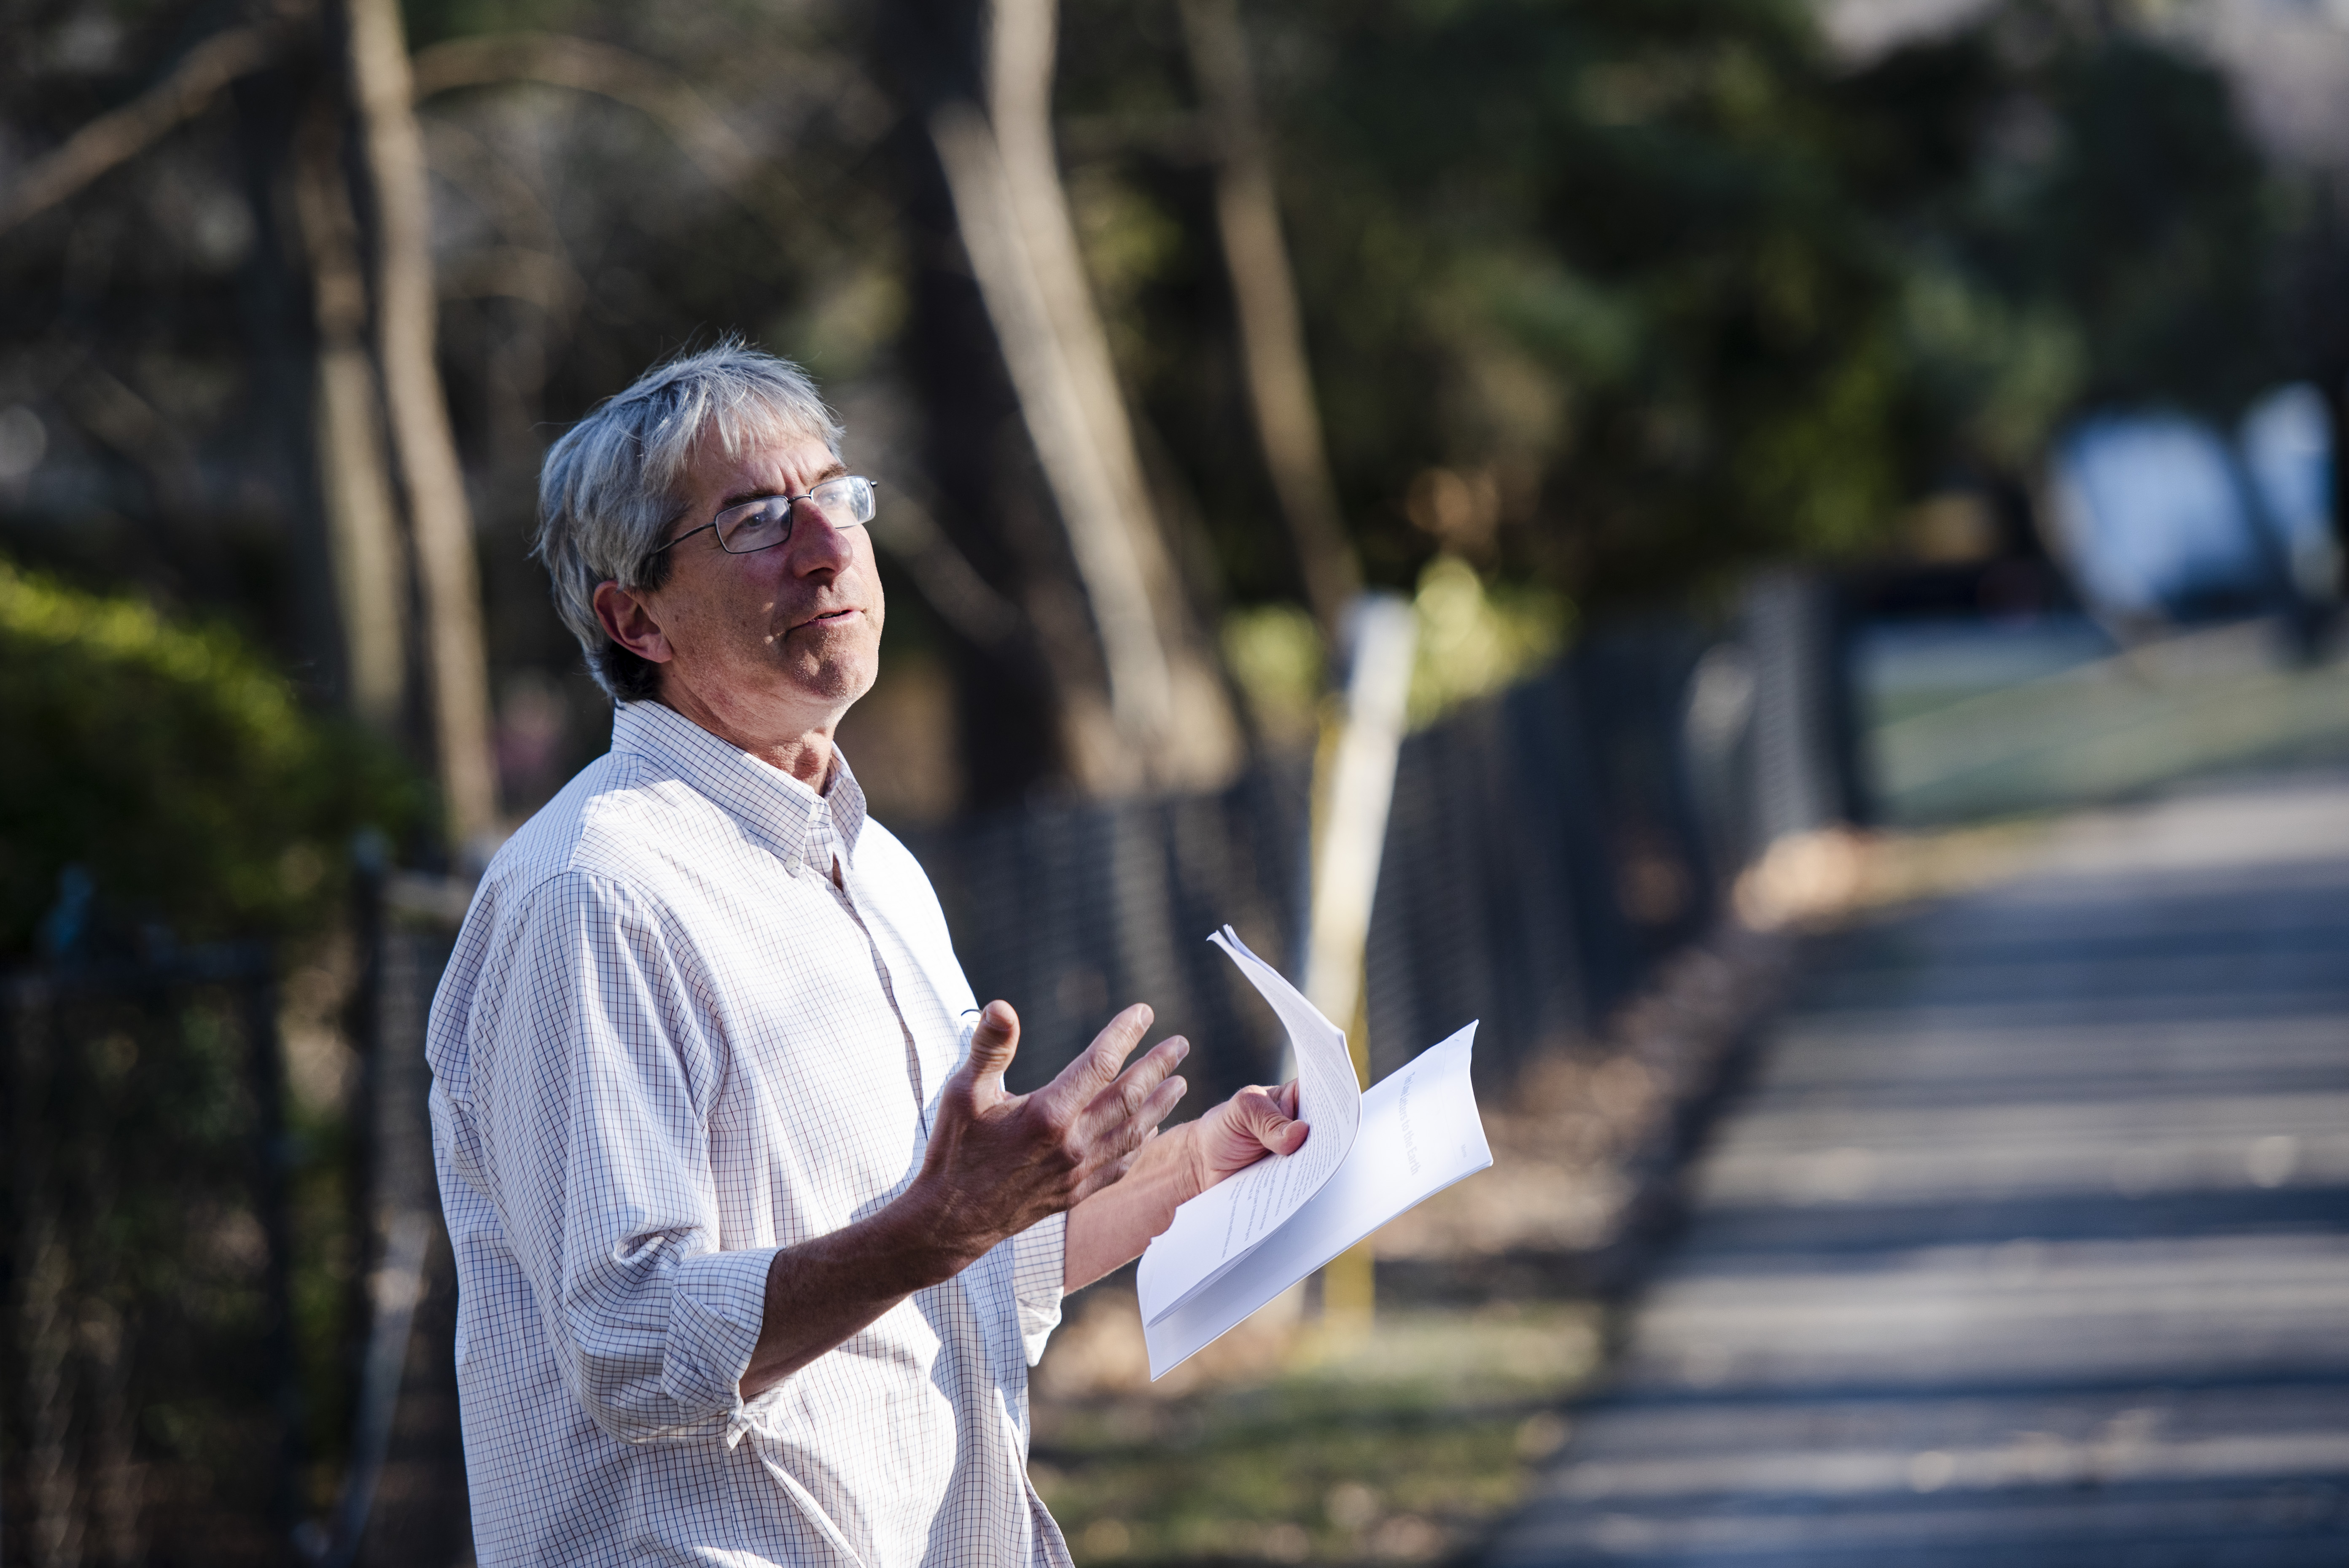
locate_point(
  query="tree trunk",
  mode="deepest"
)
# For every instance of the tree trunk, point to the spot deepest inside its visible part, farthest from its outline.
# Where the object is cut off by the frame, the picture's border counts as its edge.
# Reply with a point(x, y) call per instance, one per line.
point(1013, 683)
point(1272, 329)
point(1170, 722)
point(407, 321)
point(369, 565)
point(274, 302)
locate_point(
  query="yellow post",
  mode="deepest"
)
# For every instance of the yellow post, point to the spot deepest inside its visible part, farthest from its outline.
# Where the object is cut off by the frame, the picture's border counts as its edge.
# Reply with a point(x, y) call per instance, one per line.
point(1348, 1281)
point(1353, 779)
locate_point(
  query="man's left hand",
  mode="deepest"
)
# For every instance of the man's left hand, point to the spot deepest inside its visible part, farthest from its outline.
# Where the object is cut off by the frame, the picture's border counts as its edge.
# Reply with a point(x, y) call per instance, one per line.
point(1114, 1225)
point(1255, 1122)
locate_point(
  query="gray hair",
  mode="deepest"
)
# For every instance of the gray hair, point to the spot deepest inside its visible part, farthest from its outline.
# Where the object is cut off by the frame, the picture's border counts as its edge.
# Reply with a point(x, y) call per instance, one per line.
point(609, 489)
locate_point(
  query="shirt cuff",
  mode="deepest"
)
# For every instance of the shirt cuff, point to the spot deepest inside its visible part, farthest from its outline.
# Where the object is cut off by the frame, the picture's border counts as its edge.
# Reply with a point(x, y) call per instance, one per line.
point(717, 1303)
point(1039, 1261)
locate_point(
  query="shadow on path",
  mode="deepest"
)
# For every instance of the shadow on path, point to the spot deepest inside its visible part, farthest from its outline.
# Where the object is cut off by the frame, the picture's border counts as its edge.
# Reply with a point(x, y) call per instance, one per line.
point(2028, 1241)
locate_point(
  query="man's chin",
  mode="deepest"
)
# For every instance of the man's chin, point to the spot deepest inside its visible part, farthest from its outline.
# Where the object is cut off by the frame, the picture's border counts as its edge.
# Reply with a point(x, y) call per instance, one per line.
point(837, 681)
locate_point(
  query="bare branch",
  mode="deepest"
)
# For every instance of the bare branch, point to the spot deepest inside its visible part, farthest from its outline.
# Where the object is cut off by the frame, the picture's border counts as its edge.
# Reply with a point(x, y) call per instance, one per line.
point(119, 135)
point(583, 66)
point(950, 584)
point(1272, 328)
point(462, 159)
point(136, 430)
point(515, 271)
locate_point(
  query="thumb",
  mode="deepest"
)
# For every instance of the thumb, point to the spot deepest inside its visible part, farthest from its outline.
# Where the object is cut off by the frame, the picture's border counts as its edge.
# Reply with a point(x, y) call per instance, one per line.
point(993, 1043)
point(1258, 1113)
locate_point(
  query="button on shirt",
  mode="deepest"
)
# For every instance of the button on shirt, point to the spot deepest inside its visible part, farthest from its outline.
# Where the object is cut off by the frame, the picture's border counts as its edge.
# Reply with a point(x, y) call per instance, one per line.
point(668, 1044)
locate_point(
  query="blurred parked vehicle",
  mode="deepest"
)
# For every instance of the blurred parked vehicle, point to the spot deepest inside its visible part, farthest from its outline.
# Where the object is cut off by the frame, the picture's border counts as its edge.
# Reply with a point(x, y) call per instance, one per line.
point(2163, 520)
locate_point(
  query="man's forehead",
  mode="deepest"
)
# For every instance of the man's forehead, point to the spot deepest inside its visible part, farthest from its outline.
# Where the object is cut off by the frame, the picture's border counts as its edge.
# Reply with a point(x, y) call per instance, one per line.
point(761, 457)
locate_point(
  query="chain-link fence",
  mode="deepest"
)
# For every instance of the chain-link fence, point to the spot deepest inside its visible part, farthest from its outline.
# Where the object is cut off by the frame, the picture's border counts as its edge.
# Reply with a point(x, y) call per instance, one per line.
point(1545, 846)
point(155, 1399)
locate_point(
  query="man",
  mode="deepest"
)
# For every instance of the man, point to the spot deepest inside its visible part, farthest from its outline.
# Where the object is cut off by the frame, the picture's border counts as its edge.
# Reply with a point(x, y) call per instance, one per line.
point(753, 1249)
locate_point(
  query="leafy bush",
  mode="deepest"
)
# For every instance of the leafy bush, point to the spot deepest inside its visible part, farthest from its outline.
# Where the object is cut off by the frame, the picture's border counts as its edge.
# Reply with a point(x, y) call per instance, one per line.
point(167, 767)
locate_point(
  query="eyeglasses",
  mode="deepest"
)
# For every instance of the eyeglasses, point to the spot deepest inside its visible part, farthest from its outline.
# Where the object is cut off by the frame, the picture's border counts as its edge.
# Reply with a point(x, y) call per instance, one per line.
point(763, 523)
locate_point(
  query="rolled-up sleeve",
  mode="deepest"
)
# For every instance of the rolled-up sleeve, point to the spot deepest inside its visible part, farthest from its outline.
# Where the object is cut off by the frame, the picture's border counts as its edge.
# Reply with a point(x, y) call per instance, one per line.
point(1039, 1262)
point(591, 1085)
point(717, 1303)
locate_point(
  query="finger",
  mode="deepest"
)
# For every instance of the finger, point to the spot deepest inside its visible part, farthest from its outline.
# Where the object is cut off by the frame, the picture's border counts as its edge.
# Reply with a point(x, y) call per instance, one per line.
point(1288, 1093)
point(1143, 1123)
point(1121, 1143)
point(1094, 1068)
point(1260, 1117)
point(993, 1043)
point(1123, 1098)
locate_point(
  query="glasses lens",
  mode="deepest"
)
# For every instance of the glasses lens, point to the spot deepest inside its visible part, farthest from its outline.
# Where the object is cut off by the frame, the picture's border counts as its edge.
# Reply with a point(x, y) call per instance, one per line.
point(845, 502)
point(765, 523)
point(755, 525)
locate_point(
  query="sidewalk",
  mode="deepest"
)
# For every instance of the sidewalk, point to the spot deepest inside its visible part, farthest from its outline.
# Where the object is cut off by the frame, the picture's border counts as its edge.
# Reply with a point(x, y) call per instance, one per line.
point(2028, 1243)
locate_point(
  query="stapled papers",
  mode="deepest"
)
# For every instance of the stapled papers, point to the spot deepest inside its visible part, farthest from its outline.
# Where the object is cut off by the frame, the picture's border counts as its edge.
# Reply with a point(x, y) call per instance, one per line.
point(1369, 1159)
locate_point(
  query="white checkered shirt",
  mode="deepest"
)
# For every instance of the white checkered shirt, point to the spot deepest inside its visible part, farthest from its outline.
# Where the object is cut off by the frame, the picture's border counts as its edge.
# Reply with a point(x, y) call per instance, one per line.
point(668, 1045)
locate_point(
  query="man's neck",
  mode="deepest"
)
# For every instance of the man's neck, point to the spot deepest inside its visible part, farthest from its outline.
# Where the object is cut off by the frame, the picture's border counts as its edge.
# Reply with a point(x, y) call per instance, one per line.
point(806, 755)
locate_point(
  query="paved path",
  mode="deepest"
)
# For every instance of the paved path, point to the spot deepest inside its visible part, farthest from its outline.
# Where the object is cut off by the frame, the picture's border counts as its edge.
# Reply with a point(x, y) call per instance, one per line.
point(2029, 1242)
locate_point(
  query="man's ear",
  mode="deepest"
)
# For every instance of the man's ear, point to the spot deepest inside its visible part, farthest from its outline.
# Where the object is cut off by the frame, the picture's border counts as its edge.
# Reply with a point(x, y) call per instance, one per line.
point(628, 620)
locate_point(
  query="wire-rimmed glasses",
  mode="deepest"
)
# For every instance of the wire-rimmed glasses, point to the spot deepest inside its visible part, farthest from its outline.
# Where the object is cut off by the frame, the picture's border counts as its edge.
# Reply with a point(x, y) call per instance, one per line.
point(762, 524)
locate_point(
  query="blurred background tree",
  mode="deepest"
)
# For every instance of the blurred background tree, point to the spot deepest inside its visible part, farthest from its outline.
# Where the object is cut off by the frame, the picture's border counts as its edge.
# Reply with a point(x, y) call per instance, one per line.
point(1604, 299)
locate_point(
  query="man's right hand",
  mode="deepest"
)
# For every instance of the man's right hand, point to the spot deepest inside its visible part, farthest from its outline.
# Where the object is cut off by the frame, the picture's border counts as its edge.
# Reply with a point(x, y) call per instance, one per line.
point(998, 1163)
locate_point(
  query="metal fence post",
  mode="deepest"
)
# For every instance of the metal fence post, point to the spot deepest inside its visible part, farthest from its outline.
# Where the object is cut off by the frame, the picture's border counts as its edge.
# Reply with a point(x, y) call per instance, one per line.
point(43, 1346)
point(1804, 778)
point(272, 1208)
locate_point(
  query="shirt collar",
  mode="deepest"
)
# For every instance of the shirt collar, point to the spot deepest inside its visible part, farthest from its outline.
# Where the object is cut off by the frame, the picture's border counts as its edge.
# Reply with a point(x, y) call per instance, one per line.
point(775, 808)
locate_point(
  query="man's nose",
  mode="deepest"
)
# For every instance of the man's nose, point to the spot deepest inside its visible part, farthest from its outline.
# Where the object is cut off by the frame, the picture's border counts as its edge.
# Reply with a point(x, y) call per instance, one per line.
point(815, 544)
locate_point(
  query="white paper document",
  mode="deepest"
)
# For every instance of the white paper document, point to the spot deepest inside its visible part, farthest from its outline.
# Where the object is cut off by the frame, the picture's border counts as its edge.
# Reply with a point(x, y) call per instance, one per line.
point(1214, 1230)
point(1369, 1159)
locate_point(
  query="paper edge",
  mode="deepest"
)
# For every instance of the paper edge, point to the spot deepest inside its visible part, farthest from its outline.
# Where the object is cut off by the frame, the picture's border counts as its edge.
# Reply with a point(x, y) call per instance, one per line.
point(1242, 956)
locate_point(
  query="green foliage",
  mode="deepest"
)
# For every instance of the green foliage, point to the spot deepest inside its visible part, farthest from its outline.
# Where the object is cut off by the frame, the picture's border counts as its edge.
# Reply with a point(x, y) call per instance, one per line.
point(1622, 269)
point(1681, 287)
point(2116, 191)
point(1475, 638)
point(1689, 290)
point(176, 767)
point(1274, 656)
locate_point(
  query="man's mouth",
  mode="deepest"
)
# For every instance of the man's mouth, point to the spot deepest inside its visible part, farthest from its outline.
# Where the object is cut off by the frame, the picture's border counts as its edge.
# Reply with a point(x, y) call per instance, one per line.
point(831, 617)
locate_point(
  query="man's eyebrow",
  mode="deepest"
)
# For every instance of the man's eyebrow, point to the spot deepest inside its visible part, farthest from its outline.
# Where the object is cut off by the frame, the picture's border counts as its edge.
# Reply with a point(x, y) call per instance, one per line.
point(836, 472)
